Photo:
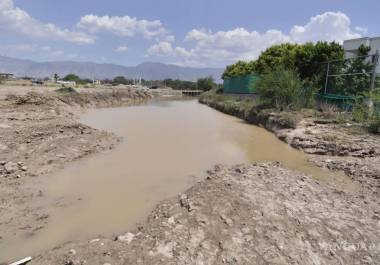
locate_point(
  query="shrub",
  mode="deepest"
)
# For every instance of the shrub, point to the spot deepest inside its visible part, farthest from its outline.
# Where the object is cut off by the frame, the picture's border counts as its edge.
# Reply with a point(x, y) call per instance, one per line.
point(66, 90)
point(367, 110)
point(281, 89)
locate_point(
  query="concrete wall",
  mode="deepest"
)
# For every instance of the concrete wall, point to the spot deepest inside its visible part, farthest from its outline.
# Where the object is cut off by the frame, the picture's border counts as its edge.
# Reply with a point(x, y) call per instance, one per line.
point(351, 47)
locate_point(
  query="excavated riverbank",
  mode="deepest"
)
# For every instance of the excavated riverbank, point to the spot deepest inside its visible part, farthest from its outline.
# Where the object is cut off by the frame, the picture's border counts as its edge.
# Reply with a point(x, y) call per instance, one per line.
point(39, 133)
point(338, 146)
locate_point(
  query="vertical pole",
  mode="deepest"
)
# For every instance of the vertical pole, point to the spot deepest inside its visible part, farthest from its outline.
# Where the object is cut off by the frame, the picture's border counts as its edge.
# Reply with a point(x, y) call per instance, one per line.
point(375, 62)
point(327, 76)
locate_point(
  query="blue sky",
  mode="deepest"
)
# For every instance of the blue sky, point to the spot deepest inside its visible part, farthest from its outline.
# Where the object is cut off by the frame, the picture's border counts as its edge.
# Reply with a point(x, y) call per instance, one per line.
point(193, 33)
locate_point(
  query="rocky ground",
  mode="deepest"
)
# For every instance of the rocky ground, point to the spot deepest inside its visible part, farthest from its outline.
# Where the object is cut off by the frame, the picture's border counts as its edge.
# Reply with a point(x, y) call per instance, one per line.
point(39, 133)
point(257, 214)
point(338, 147)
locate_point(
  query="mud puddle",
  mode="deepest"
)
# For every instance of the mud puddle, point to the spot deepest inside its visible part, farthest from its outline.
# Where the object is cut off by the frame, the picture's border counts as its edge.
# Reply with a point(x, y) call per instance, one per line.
point(165, 144)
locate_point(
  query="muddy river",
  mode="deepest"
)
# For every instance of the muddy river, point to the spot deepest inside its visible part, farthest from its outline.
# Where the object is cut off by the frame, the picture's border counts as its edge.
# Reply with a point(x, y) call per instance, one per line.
point(165, 144)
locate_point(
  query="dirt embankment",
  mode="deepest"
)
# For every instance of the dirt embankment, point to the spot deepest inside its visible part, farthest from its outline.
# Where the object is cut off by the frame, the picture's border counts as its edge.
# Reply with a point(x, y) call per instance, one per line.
point(258, 214)
point(40, 132)
point(336, 146)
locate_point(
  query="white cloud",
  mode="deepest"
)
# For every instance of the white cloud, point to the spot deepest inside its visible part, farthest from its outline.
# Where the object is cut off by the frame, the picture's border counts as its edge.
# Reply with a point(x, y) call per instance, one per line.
point(162, 48)
point(225, 47)
point(122, 49)
point(169, 38)
point(16, 20)
point(329, 26)
point(122, 26)
point(361, 30)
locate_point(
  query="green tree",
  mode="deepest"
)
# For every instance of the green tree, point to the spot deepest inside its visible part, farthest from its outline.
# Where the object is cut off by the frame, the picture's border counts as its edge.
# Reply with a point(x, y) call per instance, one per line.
point(358, 72)
point(206, 84)
point(120, 80)
point(71, 77)
point(310, 60)
point(307, 59)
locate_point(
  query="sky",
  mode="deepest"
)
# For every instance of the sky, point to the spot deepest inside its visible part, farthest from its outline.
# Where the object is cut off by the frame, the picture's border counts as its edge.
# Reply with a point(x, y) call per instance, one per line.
point(197, 33)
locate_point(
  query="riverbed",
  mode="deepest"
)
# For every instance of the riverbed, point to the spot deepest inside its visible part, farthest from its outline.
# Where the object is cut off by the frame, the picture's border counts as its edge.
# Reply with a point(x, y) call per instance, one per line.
point(165, 144)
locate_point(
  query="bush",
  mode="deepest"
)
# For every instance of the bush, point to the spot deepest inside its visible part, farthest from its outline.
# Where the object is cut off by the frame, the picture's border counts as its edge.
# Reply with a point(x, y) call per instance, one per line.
point(281, 89)
point(66, 90)
point(367, 110)
point(206, 84)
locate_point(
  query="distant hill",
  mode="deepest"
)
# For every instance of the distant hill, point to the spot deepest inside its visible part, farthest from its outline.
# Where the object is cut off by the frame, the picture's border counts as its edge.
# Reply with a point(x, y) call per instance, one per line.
point(148, 71)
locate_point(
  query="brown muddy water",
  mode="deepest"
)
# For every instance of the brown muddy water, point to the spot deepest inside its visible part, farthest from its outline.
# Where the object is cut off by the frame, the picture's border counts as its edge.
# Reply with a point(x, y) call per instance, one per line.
point(165, 144)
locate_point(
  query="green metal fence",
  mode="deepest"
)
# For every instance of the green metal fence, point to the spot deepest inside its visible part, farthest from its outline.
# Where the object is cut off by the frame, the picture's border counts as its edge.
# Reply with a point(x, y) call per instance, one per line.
point(241, 84)
point(343, 102)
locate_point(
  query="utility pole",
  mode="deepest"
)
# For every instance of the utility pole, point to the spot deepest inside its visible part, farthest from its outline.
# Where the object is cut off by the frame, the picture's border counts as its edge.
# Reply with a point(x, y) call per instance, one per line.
point(327, 76)
point(375, 62)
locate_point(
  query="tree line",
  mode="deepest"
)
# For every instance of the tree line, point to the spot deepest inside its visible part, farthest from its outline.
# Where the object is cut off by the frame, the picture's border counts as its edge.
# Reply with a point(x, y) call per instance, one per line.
point(204, 84)
point(309, 62)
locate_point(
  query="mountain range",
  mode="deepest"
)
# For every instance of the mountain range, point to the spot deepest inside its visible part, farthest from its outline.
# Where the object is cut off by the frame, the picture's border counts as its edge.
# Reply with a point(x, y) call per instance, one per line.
point(148, 71)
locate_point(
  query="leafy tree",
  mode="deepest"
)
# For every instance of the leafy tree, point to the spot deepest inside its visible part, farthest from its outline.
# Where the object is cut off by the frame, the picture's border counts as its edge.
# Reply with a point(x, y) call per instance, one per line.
point(71, 77)
point(307, 59)
point(77, 79)
point(206, 84)
point(358, 72)
point(120, 80)
point(310, 60)
point(282, 55)
point(180, 85)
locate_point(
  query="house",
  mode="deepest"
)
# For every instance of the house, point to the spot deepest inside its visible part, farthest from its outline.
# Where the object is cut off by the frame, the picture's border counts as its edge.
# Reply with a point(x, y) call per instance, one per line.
point(6, 76)
point(351, 47)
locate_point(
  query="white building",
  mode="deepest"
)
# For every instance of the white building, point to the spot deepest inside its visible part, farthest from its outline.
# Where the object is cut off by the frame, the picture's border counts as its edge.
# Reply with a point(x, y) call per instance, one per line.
point(351, 47)
point(67, 83)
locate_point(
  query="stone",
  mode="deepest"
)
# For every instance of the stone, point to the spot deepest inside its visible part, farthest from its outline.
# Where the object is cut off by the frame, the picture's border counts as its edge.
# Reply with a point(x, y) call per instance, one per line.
point(171, 220)
point(24, 168)
point(128, 237)
point(72, 252)
point(10, 167)
point(226, 220)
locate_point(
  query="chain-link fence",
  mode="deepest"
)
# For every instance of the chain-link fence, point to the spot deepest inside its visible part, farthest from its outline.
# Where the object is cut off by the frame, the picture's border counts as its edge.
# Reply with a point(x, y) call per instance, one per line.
point(352, 76)
point(345, 80)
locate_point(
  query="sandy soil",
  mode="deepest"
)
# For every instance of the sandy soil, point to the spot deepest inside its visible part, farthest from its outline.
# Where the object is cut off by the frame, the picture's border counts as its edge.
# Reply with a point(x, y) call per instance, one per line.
point(39, 133)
